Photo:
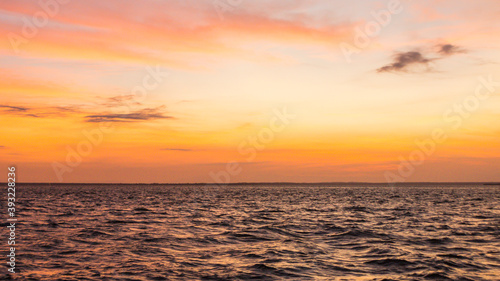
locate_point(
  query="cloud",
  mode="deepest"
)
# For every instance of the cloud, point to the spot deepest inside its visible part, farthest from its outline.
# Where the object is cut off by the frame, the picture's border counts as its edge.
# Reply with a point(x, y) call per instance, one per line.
point(449, 49)
point(18, 110)
point(122, 100)
point(140, 114)
point(37, 112)
point(13, 108)
point(2, 147)
point(61, 110)
point(172, 39)
point(145, 114)
point(402, 60)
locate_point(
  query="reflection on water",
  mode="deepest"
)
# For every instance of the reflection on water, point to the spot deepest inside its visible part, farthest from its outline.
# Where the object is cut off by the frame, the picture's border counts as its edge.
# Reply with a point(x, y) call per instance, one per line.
point(126, 232)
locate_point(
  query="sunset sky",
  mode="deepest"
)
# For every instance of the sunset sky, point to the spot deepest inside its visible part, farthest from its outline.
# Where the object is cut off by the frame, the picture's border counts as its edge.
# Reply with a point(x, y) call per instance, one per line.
point(180, 89)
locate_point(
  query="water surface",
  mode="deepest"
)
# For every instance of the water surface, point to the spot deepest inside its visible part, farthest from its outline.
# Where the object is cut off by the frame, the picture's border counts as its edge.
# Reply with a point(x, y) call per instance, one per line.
point(259, 232)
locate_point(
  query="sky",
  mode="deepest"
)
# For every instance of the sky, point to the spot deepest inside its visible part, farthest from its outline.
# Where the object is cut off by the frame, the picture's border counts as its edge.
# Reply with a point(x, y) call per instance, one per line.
point(164, 91)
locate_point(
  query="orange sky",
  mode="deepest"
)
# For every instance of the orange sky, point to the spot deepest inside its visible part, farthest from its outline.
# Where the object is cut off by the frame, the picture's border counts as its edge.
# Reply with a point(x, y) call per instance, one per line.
point(173, 91)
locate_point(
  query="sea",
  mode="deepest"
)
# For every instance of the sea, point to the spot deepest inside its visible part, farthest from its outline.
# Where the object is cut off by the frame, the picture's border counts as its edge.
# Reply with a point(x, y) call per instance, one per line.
point(342, 231)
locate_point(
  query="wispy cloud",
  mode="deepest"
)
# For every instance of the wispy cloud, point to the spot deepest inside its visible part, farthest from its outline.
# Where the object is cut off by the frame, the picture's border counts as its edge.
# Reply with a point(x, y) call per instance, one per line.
point(13, 108)
point(172, 38)
point(139, 115)
point(3, 147)
point(37, 112)
point(122, 100)
point(402, 61)
point(17, 110)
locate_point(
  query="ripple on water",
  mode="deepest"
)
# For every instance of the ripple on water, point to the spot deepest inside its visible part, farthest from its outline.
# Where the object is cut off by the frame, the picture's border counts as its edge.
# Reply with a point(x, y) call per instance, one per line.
point(126, 232)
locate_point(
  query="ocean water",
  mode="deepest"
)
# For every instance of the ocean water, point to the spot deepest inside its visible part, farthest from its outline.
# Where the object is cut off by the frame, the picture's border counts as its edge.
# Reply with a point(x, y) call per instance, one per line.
point(257, 232)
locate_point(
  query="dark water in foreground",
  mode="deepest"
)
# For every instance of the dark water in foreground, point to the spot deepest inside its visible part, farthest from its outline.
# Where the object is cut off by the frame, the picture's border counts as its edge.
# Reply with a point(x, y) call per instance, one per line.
point(120, 232)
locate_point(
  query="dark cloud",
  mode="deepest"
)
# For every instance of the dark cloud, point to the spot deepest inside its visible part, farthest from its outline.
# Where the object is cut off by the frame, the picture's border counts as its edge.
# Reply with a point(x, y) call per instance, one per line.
point(176, 149)
point(9, 108)
point(449, 49)
point(2, 146)
point(143, 114)
point(18, 110)
point(402, 60)
point(38, 112)
point(139, 115)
